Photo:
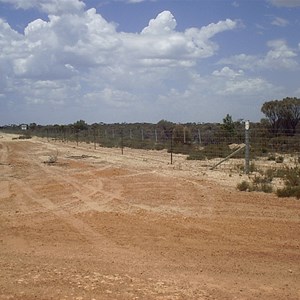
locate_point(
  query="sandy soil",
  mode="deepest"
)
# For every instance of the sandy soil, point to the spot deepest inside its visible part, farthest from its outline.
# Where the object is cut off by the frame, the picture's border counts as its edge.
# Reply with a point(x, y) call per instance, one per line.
point(100, 225)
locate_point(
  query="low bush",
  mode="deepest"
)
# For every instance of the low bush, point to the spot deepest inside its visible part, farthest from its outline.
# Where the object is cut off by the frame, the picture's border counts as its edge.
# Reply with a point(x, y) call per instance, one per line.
point(257, 184)
point(289, 192)
point(279, 159)
point(244, 186)
point(292, 177)
point(292, 183)
point(24, 137)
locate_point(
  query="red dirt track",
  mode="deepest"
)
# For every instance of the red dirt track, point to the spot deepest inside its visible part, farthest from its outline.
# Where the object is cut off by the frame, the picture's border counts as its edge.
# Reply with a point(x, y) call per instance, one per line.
point(100, 225)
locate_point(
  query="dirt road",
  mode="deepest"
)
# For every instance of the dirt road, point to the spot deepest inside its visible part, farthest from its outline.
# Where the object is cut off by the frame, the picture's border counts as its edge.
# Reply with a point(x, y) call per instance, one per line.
point(100, 225)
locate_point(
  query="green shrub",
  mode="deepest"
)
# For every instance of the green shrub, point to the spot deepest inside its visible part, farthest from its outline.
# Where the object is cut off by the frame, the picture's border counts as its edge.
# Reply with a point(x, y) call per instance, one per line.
point(24, 137)
point(258, 184)
point(265, 188)
point(279, 159)
point(289, 191)
point(270, 174)
point(262, 184)
point(244, 186)
point(292, 183)
point(252, 168)
point(292, 177)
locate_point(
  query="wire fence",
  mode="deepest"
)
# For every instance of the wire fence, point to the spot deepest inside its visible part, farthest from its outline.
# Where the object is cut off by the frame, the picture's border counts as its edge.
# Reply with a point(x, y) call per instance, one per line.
point(234, 149)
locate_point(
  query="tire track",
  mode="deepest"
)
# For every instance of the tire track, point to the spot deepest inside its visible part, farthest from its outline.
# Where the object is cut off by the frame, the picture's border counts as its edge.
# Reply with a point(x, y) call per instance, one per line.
point(90, 195)
point(80, 226)
point(79, 194)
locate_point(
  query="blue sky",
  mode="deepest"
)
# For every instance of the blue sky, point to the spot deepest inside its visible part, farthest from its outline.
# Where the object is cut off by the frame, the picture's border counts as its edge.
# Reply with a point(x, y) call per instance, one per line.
point(145, 60)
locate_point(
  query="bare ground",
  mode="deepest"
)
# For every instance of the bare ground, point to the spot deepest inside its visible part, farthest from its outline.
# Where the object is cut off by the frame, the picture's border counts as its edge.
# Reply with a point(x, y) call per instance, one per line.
point(100, 225)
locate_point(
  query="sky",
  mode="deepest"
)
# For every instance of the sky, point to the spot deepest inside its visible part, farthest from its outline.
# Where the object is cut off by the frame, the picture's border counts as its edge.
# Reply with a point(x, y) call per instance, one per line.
point(116, 61)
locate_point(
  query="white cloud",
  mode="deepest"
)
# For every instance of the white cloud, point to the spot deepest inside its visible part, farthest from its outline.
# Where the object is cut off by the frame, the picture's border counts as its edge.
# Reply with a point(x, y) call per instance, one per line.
point(7, 32)
point(64, 44)
point(160, 44)
point(224, 91)
point(250, 86)
point(212, 29)
point(285, 3)
point(277, 21)
point(68, 44)
point(116, 98)
point(82, 59)
point(227, 72)
point(163, 23)
point(231, 82)
point(49, 6)
point(280, 56)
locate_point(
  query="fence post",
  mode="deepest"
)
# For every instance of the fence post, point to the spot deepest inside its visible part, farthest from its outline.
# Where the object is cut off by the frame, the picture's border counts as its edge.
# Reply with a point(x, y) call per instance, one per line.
point(199, 137)
point(94, 133)
point(122, 142)
point(247, 148)
point(171, 147)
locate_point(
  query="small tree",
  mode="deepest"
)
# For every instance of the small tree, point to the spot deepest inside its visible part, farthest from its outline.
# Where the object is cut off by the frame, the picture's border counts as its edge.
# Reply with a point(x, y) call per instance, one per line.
point(283, 115)
point(80, 125)
point(228, 125)
point(290, 114)
point(166, 128)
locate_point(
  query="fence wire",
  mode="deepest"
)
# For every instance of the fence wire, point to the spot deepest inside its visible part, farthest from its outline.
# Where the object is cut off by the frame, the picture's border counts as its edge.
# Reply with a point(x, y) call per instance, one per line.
point(208, 144)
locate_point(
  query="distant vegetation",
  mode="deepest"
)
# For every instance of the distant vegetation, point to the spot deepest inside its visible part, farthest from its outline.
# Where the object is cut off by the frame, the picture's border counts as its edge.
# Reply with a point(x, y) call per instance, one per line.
point(277, 134)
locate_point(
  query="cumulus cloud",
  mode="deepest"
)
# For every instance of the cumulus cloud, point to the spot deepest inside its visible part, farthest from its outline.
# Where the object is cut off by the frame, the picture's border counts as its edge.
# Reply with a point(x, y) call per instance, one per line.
point(60, 46)
point(81, 58)
point(280, 56)
point(235, 82)
point(67, 44)
point(163, 23)
point(250, 86)
point(228, 73)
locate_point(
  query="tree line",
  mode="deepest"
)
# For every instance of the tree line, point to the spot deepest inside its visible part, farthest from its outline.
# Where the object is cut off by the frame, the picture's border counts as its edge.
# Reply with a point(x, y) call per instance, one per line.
point(277, 132)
